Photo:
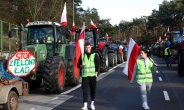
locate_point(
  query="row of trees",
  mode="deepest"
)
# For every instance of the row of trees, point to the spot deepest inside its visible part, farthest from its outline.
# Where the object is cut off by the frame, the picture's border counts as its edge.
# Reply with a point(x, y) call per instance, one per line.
point(147, 29)
point(50, 10)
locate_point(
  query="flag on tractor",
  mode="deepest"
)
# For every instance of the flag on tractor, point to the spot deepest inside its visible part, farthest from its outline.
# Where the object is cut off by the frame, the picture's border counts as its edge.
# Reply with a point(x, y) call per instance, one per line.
point(73, 29)
point(63, 21)
point(92, 25)
point(133, 53)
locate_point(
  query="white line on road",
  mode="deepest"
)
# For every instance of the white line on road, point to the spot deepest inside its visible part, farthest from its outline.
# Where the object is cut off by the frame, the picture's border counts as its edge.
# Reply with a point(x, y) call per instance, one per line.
point(66, 92)
point(160, 79)
point(166, 96)
point(54, 98)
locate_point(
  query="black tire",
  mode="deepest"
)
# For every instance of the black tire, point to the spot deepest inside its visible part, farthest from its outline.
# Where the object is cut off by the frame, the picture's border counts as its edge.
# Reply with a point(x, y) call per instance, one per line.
point(72, 74)
point(115, 59)
point(105, 62)
point(125, 56)
point(174, 56)
point(54, 75)
point(12, 103)
point(122, 60)
point(119, 58)
point(111, 59)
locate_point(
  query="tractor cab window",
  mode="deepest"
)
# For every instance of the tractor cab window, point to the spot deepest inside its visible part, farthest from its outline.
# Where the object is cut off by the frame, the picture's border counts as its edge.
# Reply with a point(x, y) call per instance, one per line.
point(114, 45)
point(177, 37)
point(60, 37)
point(89, 37)
point(40, 35)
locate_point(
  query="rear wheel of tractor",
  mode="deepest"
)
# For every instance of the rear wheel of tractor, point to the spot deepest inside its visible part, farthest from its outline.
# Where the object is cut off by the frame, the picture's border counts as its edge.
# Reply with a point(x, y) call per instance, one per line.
point(111, 59)
point(72, 73)
point(115, 59)
point(105, 62)
point(119, 59)
point(122, 60)
point(125, 56)
point(174, 56)
point(54, 75)
point(12, 103)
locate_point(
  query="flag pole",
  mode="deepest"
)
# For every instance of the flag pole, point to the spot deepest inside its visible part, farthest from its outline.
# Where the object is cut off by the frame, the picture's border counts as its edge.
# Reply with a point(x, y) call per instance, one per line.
point(73, 19)
point(156, 66)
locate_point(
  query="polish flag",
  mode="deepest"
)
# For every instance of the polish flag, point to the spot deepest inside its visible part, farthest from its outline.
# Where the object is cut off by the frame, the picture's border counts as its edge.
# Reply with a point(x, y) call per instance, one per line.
point(92, 25)
point(79, 49)
point(159, 39)
point(168, 30)
point(133, 52)
point(73, 29)
point(64, 17)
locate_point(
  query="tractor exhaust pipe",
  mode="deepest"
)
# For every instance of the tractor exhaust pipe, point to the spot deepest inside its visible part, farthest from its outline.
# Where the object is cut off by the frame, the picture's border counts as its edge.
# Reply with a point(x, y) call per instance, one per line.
point(21, 30)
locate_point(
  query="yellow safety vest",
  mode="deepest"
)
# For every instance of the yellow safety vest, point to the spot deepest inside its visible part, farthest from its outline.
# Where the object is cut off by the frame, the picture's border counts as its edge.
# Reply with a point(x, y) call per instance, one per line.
point(89, 68)
point(165, 51)
point(144, 73)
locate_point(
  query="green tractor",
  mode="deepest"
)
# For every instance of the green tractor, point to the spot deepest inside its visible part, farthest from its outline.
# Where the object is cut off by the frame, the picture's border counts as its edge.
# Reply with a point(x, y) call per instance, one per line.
point(54, 55)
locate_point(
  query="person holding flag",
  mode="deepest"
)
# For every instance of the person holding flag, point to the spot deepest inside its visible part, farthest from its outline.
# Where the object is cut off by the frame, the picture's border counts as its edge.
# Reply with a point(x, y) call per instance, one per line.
point(143, 72)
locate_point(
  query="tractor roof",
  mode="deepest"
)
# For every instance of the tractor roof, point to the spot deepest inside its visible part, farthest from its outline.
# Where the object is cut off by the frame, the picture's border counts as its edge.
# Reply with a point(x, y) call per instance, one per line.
point(37, 23)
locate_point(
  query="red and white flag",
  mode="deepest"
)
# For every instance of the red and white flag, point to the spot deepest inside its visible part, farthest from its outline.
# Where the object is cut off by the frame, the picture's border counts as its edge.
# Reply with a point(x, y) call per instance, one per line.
point(133, 52)
point(73, 29)
point(79, 49)
point(92, 25)
point(168, 31)
point(63, 21)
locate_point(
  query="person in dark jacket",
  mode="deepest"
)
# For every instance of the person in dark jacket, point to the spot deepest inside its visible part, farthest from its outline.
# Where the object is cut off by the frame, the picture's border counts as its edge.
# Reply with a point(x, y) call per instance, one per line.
point(89, 65)
point(167, 54)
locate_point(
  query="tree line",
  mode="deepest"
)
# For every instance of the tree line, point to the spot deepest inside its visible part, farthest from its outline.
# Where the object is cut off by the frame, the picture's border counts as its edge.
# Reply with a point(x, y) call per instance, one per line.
point(144, 30)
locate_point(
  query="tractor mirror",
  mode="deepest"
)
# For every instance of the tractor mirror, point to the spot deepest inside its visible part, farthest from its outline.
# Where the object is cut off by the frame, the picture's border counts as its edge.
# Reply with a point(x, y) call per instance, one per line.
point(10, 34)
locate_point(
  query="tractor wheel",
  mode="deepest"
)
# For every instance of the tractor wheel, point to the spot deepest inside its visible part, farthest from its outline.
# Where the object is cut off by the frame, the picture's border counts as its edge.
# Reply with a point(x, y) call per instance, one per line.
point(111, 59)
point(125, 56)
point(119, 59)
point(12, 103)
point(105, 62)
point(54, 75)
point(115, 59)
point(72, 73)
point(122, 60)
point(174, 55)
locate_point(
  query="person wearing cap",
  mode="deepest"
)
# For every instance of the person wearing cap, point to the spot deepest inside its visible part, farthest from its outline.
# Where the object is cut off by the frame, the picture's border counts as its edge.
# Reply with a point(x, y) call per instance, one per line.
point(89, 65)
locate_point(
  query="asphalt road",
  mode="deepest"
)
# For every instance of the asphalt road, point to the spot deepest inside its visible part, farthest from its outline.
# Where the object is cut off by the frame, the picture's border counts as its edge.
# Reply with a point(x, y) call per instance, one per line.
point(114, 92)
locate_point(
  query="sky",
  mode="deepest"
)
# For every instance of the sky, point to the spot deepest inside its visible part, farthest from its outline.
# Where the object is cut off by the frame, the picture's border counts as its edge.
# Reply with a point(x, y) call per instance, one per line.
point(118, 10)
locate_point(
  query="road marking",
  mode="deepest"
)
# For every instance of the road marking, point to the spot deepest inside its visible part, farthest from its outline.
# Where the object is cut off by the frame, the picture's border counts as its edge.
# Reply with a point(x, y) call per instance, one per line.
point(54, 98)
point(70, 90)
point(157, 71)
point(166, 96)
point(160, 79)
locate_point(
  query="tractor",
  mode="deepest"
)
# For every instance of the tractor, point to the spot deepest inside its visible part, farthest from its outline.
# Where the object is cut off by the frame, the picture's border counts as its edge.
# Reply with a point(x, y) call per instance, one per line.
point(54, 56)
point(175, 38)
point(92, 36)
point(115, 53)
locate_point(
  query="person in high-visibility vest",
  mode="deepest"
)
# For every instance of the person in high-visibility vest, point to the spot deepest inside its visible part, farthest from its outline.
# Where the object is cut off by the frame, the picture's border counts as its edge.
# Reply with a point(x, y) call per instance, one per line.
point(167, 54)
point(89, 65)
point(143, 73)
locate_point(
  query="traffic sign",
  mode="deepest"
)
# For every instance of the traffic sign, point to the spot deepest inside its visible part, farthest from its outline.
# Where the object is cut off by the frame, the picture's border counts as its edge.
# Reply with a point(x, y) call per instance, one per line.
point(21, 63)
